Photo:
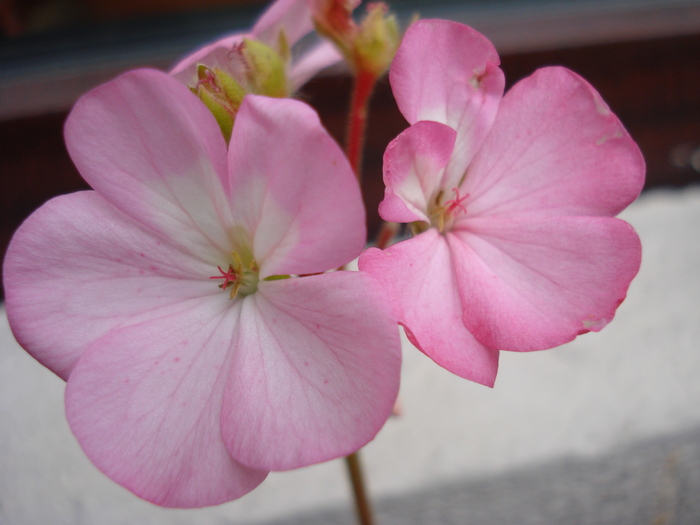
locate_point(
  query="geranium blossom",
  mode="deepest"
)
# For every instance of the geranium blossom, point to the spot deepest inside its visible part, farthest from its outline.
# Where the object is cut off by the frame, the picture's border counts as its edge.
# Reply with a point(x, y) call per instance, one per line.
point(512, 199)
point(195, 360)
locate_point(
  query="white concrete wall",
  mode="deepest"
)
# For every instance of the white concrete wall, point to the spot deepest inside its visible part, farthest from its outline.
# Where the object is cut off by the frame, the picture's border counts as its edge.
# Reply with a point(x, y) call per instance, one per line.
point(634, 381)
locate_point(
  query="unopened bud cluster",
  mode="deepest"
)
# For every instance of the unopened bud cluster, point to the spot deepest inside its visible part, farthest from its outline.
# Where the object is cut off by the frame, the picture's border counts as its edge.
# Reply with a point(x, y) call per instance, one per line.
point(256, 68)
point(368, 46)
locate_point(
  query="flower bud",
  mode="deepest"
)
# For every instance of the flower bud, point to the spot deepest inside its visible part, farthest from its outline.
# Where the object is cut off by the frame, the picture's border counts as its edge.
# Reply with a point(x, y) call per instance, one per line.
point(221, 94)
point(377, 40)
point(254, 68)
point(368, 47)
point(267, 70)
point(333, 20)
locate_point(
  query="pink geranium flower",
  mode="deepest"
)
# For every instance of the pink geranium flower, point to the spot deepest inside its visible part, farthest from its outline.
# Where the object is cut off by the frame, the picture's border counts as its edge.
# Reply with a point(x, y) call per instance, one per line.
point(195, 361)
point(512, 200)
point(289, 20)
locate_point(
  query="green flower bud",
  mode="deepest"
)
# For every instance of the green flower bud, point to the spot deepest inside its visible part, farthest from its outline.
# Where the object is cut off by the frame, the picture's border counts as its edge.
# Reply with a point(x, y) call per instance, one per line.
point(260, 70)
point(223, 115)
point(233, 91)
point(267, 70)
point(377, 40)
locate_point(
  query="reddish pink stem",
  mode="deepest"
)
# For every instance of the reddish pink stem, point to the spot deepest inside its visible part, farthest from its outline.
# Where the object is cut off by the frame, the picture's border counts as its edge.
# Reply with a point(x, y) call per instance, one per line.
point(357, 120)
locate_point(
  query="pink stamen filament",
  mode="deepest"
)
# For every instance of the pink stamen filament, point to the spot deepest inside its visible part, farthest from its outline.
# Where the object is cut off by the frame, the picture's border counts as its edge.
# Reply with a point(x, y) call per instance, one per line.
point(456, 203)
point(230, 277)
point(211, 80)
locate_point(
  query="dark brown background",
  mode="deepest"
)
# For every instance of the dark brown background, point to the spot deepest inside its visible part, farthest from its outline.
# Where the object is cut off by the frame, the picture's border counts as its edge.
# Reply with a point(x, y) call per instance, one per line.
point(651, 80)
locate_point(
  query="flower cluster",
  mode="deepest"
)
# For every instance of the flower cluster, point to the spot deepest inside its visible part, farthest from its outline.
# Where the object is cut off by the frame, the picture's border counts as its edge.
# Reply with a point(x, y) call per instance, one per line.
point(192, 300)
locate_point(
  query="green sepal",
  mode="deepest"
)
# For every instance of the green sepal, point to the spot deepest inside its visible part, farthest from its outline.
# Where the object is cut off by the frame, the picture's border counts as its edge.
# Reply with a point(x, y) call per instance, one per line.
point(233, 90)
point(283, 46)
point(267, 70)
point(202, 72)
point(223, 116)
point(378, 39)
point(418, 227)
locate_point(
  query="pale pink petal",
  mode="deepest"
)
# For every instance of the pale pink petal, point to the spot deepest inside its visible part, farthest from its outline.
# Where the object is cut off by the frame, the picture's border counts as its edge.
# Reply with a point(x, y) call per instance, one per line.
point(536, 282)
point(215, 55)
point(292, 189)
point(291, 16)
point(448, 73)
point(78, 268)
point(145, 401)
point(153, 150)
point(313, 61)
point(419, 276)
point(414, 164)
point(555, 149)
point(316, 374)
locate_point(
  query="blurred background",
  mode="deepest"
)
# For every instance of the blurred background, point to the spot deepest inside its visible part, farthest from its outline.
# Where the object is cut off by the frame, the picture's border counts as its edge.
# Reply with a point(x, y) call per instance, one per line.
point(605, 430)
point(642, 55)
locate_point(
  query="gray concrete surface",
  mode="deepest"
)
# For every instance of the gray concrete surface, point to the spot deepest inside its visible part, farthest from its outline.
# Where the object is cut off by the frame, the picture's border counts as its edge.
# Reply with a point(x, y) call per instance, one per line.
point(603, 430)
point(653, 482)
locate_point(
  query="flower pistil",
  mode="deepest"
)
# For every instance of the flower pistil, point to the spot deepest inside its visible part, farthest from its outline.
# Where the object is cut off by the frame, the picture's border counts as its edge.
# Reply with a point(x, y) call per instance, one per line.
point(238, 278)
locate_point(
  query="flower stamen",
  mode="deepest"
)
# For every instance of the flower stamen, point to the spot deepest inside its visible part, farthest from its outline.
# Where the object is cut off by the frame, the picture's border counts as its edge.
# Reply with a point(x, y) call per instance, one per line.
point(231, 277)
point(210, 80)
point(455, 203)
point(238, 276)
point(443, 214)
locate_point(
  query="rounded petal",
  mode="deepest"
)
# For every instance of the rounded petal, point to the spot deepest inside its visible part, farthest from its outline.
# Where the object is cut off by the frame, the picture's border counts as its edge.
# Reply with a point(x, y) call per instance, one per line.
point(78, 268)
point(144, 403)
point(291, 16)
point(311, 62)
point(447, 72)
point(537, 282)
point(316, 373)
point(555, 149)
point(293, 189)
point(414, 164)
point(217, 54)
point(154, 151)
point(418, 274)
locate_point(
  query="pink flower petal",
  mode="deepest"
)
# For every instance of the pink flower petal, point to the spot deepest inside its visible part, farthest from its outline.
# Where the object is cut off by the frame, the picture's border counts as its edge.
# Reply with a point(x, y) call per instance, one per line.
point(555, 149)
point(144, 402)
point(155, 152)
point(418, 274)
point(448, 73)
point(316, 59)
point(291, 16)
point(78, 268)
point(414, 164)
point(537, 282)
point(293, 189)
point(215, 55)
point(320, 373)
